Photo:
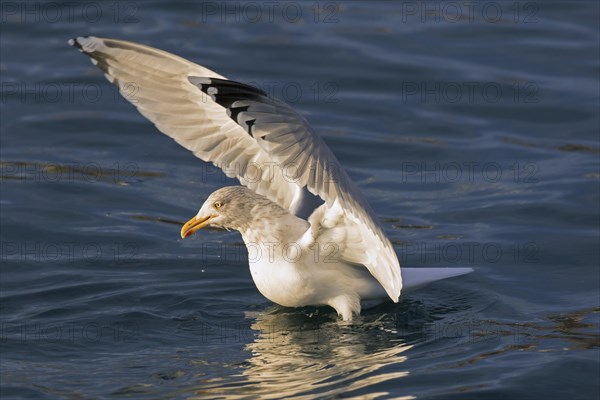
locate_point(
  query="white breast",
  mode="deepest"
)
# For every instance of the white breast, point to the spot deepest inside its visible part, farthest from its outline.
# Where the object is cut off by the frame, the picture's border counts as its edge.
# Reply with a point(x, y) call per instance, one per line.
point(281, 274)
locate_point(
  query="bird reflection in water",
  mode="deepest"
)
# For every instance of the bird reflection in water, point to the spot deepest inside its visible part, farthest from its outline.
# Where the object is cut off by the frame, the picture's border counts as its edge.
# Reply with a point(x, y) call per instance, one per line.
point(309, 354)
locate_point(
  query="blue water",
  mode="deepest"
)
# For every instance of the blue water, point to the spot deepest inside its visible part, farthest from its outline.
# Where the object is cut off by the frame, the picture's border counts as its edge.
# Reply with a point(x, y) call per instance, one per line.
point(472, 130)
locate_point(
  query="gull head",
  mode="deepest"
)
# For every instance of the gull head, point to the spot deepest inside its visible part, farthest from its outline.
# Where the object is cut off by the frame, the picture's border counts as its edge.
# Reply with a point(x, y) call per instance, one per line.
point(231, 207)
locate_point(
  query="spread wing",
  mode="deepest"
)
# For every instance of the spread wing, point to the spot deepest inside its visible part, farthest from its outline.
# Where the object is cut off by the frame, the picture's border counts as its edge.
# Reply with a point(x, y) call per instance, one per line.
point(261, 141)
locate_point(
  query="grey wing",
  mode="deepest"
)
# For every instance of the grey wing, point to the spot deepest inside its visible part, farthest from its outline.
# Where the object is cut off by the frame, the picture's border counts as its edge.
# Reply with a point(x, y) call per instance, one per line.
point(304, 159)
point(156, 83)
point(261, 141)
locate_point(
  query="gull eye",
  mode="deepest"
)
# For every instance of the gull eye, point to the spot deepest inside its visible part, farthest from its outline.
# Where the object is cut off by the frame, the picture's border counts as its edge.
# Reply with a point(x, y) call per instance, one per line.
point(218, 204)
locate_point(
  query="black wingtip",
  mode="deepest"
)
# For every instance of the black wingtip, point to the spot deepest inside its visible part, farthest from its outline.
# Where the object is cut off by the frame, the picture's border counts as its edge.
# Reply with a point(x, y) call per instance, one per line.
point(75, 42)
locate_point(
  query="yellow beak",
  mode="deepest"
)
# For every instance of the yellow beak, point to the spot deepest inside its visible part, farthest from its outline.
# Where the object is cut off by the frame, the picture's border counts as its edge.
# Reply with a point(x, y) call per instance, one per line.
point(194, 225)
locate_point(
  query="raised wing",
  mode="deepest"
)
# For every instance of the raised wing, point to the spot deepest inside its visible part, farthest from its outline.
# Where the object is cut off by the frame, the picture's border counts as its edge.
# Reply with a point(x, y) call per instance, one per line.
point(261, 141)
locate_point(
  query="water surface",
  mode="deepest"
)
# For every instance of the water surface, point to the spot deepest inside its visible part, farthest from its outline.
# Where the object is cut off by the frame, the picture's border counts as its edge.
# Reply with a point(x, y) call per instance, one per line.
point(473, 134)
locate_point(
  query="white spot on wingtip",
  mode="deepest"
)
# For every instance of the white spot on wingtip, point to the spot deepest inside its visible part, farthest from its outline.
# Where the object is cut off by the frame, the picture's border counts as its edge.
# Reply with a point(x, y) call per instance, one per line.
point(197, 80)
point(75, 43)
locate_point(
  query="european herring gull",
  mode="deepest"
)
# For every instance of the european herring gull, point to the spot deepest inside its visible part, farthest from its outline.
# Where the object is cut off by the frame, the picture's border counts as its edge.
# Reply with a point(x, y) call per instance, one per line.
point(311, 236)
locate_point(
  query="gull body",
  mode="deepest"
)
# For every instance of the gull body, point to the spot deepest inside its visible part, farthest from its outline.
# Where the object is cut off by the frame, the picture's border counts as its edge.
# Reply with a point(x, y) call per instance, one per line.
point(290, 263)
point(312, 238)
